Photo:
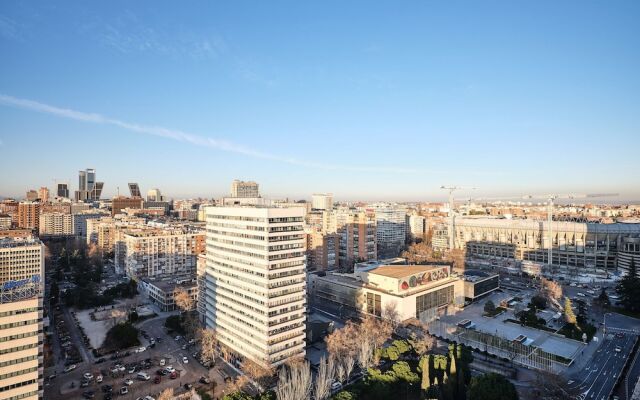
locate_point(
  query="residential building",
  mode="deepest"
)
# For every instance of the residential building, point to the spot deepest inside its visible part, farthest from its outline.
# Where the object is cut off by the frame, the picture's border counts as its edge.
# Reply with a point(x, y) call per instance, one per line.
point(322, 251)
point(391, 229)
point(417, 226)
point(357, 231)
point(55, 224)
point(5, 221)
point(409, 291)
point(322, 201)
point(29, 214)
point(255, 281)
point(43, 194)
point(201, 269)
point(59, 207)
point(244, 189)
point(146, 251)
point(119, 203)
point(21, 318)
point(80, 221)
point(32, 195)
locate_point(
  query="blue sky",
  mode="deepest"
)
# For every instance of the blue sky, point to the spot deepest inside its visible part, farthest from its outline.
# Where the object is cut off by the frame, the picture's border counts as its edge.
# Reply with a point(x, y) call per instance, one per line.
point(368, 100)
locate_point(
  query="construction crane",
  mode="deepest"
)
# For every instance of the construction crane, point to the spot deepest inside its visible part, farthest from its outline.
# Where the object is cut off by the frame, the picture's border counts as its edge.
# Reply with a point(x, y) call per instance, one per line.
point(452, 189)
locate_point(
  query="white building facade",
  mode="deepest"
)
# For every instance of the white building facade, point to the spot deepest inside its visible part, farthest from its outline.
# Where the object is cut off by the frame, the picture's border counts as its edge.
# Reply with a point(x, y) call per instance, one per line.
point(255, 288)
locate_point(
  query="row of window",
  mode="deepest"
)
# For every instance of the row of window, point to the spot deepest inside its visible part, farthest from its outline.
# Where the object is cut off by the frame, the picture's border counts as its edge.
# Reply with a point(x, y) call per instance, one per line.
point(19, 348)
point(17, 385)
point(18, 312)
point(18, 361)
point(18, 373)
point(19, 336)
point(24, 395)
point(19, 323)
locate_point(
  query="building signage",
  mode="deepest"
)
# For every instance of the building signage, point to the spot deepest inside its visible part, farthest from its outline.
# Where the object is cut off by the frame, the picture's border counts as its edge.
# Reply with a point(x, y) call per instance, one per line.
point(424, 278)
point(10, 285)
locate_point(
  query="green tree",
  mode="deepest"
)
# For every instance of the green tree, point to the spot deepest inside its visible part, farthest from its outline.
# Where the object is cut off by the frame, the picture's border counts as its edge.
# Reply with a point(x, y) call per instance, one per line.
point(403, 372)
point(629, 289)
point(489, 307)
point(492, 386)
point(121, 336)
point(344, 395)
point(426, 368)
point(603, 298)
point(569, 315)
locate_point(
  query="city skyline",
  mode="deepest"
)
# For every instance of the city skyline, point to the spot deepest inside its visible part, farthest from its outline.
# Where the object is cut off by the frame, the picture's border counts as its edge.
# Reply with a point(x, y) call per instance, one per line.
point(515, 101)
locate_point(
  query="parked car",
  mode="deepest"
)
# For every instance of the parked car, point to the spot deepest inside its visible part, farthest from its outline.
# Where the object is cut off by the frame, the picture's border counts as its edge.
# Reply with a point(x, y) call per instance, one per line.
point(188, 386)
point(185, 360)
point(140, 349)
point(169, 369)
point(205, 380)
point(143, 376)
point(335, 386)
point(173, 375)
point(88, 376)
point(178, 338)
point(107, 388)
point(162, 362)
point(128, 382)
point(124, 390)
point(157, 379)
point(99, 378)
point(88, 394)
point(70, 368)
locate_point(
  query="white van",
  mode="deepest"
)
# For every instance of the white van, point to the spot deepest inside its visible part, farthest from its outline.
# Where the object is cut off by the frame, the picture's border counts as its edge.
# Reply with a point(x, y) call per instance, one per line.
point(143, 376)
point(162, 361)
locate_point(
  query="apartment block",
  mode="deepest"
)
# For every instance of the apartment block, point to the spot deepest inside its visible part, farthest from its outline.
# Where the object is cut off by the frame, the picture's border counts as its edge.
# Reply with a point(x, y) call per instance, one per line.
point(56, 224)
point(80, 221)
point(149, 251)
point(391, 229)
point(416, 226)
point(255, 289)
point(357, 231)
point(21, 318)
point(322, 251)
point(322, 201)
point(120, 203)
point(29, 214)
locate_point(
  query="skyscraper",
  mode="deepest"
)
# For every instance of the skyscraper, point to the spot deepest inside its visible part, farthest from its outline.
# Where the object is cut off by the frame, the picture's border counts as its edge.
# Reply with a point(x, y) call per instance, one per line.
point(154, 195)
point(21, 324)
point(63, 190)
point(88, 188)
point(134, 189)
point(255, 281)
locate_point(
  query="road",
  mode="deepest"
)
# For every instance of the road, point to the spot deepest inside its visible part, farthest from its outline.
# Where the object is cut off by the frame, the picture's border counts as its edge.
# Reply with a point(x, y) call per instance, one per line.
point(596, 381)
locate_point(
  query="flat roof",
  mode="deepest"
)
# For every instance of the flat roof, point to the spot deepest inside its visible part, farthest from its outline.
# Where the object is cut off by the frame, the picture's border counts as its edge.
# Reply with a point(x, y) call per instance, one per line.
point(400, 271)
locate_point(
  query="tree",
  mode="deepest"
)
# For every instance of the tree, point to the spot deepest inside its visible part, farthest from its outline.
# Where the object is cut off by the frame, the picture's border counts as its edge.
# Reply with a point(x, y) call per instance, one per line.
point(421, 343)
point(489, 307)
point(492, 386)
point(569, 315)
point(603, 298)
point(426, 369)
point(629, 289)
point(539, 302)
point(324, 378)
point(166, 394)
point(121, 336)
point(208, 343)
point(183, 300)
point(294, 382)
point(344, 395)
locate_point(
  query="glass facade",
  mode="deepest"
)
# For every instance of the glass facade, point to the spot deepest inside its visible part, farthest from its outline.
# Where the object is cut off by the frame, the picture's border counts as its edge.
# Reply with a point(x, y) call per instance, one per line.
point(435, 299)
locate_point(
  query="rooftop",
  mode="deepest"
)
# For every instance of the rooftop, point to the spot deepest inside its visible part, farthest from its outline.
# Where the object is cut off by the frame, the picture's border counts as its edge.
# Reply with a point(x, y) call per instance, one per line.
point(400, 271)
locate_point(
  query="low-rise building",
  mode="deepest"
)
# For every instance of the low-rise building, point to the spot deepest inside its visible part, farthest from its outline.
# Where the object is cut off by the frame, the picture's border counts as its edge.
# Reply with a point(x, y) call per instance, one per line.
point(161, 290)
point(389, 291)
point(478, 284)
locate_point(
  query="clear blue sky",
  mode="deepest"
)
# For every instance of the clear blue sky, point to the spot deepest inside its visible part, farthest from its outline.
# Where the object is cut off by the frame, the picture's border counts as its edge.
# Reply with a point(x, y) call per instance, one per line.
point(368, 100)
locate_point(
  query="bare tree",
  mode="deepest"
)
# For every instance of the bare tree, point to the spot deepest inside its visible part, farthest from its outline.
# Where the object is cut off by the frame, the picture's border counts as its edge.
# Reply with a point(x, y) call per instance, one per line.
point(365, 354)
point(324, 378)
point(341, 373)
point(421, 342)
point(261, 375)
point(349, 362)
point(391, 314)
point(183, 299)
point(294, 382)
point(166, 394)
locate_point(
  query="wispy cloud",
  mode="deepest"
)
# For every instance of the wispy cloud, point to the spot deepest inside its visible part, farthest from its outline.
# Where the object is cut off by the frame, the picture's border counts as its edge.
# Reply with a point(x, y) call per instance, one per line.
point(193, 139)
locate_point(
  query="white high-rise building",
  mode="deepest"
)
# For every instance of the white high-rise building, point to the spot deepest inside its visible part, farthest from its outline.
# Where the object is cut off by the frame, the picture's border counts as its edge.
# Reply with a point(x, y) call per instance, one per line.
point(255, 290)
point(322, 201)
point(21, 324)
point(244, 189)
point(391, 229)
